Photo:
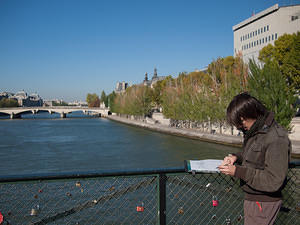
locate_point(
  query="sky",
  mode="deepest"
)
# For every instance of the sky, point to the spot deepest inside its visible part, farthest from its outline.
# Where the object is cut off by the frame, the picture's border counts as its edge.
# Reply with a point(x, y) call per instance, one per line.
point(65, 49)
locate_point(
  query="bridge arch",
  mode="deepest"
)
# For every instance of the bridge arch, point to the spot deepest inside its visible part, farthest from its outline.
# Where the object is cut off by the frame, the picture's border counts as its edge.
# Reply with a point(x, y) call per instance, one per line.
point(63, 111)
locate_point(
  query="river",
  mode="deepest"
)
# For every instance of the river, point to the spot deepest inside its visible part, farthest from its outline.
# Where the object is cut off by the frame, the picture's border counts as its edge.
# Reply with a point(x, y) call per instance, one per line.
point(45, 143)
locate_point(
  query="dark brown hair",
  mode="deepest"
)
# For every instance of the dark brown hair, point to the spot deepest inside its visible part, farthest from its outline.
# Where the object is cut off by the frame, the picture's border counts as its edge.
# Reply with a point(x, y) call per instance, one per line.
point(246, 106)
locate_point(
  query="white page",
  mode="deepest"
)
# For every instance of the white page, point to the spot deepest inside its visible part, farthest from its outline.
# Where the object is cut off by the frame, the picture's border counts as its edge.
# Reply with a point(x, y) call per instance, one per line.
point(207, 165)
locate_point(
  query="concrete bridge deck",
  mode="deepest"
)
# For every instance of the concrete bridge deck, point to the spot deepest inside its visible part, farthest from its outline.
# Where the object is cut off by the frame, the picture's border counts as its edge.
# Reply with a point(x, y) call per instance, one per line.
point(62, 110)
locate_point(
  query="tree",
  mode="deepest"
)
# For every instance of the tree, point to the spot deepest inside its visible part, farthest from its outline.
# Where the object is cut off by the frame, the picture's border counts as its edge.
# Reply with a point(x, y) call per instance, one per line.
point(59, 103)
point(286, 53)
point(104, 98)
point(8, 102)
point(135, 101)
point(269, 86)
point(111, 101)
point(93, 100)
point(228, 78)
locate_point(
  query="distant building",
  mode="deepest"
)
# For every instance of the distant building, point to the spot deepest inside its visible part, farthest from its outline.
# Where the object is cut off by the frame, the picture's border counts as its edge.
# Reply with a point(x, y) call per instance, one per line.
point(121, 87)
point(5, 95)
point(78, 103)
point(48, 103)
point(27, 100)
point(155, 78)
point(256, 32)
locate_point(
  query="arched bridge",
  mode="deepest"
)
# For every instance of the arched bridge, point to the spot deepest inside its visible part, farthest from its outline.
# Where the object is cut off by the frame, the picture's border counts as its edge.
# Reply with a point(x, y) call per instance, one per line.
point(62, 110)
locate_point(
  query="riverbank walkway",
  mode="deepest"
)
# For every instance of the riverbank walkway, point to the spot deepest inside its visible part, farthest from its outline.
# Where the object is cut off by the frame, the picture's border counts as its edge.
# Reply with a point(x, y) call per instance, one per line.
point(196, 134)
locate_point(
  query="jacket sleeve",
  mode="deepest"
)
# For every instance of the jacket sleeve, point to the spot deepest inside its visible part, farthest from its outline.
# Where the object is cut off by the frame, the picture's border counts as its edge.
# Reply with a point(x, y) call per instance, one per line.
point(239, 157)
point(271, 178)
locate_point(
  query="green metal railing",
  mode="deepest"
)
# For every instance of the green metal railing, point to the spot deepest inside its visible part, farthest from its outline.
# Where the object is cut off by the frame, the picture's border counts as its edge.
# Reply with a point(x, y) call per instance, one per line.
point(155, 196)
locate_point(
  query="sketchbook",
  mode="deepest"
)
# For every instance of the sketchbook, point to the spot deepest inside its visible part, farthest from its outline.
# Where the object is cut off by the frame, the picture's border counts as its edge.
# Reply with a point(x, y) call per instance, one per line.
point(205, 166)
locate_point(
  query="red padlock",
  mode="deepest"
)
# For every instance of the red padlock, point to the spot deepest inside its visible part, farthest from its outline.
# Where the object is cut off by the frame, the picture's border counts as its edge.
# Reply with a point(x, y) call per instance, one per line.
point(1, 218)
point(215, 201)
point(140, 208)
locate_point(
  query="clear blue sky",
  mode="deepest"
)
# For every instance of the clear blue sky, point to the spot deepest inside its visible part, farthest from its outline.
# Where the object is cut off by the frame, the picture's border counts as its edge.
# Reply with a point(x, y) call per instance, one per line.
point(67, 48)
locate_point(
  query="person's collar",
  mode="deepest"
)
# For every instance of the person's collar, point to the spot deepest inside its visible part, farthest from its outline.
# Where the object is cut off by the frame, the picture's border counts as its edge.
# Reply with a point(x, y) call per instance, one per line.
point(269, 119)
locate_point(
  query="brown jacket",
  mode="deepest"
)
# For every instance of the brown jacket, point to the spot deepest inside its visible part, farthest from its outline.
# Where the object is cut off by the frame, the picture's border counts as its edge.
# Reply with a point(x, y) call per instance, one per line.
point(262, 165)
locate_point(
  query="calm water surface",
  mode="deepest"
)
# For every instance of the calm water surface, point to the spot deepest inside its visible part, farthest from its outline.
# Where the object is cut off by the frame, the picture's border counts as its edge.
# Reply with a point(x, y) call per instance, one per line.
point(42, 145)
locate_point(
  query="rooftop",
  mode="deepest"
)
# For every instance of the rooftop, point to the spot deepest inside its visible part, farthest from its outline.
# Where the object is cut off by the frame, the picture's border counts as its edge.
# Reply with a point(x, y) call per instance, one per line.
point(256, 17)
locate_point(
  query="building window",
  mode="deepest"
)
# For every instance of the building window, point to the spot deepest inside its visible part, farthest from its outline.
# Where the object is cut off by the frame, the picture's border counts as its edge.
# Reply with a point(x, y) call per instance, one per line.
point(250, 35)
point(269, 38)
point(263, 40)
point(260, 41)
point(275, 36)
point(258, 31)
point(257, 42)
point(266, 39)
point(261, 30)
point(254, 43)
point(267, 27)
point(294, 18)
point(272, 37)
point(241, 39)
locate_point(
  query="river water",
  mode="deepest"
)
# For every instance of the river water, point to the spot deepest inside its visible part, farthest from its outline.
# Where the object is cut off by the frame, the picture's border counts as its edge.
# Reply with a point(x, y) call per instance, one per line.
point(46, 143)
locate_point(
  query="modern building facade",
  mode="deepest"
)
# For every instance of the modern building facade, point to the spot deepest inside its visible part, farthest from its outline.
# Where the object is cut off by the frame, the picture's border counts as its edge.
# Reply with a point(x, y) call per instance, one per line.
point(256, 32)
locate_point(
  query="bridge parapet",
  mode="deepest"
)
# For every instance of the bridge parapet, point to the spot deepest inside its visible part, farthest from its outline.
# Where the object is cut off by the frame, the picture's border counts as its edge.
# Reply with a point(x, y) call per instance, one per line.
point(62, 110)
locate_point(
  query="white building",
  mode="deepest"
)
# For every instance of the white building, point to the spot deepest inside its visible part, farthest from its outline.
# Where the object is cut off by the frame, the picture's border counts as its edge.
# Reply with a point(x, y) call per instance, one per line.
point(27, 100)
point(256, 32)
point(121, 87)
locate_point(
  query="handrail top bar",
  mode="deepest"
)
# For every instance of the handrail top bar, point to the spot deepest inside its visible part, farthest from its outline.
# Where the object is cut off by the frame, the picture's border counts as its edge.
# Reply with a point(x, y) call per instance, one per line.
point(102, 173)
point(88, 174)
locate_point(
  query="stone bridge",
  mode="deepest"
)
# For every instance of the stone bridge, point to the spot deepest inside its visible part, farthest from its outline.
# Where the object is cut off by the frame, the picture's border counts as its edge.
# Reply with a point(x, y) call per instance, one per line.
point(62, 110)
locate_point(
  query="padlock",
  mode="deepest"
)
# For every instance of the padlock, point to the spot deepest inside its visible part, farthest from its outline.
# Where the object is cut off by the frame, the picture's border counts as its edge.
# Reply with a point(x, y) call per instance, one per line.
point(35, 210)
point(228, 221)
point(1, 218)
point(140, 208)
point(215, 201)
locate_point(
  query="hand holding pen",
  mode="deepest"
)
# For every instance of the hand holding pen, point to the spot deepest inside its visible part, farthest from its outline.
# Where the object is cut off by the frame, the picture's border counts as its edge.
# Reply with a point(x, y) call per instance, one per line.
point(227, 166)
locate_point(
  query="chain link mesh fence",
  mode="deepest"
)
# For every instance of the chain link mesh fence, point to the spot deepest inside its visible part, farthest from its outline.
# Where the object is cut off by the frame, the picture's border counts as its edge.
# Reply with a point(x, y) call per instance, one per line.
point(208, 198)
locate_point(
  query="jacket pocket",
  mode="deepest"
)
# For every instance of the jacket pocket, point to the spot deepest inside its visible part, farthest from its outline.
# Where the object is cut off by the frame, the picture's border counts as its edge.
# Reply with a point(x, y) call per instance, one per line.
point(256, 156)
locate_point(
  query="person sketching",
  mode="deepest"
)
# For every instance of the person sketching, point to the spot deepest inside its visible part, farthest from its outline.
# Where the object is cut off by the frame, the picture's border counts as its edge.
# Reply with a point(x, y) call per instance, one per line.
point(263, 163)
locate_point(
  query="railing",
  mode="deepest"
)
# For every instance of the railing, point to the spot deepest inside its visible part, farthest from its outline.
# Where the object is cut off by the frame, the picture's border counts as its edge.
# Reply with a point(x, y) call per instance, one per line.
point(155, 196)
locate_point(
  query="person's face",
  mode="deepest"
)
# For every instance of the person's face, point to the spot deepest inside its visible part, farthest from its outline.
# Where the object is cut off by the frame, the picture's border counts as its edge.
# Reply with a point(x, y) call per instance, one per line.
point(247, 123)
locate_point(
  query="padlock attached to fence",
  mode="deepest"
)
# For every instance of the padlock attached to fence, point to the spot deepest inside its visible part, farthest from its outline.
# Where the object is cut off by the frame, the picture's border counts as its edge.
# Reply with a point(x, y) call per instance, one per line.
point(1, 218)
point(215, 201)
point(140, 207)
point(228, 221)
point(35, 210)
